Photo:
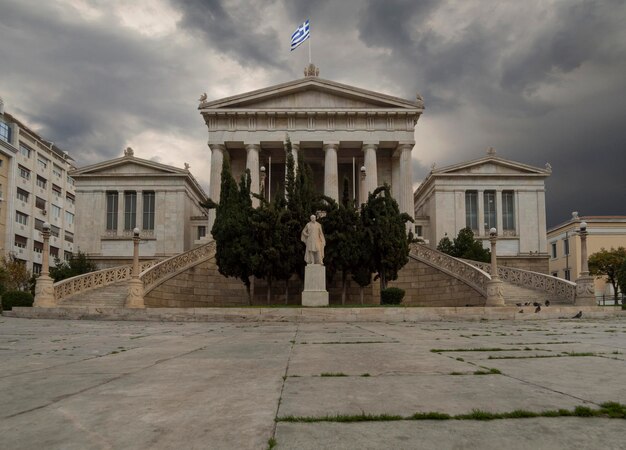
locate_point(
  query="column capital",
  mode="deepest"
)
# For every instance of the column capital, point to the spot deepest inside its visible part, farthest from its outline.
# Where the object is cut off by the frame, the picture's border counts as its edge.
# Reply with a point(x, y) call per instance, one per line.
point(370, 145)
point(331, 145)
point(249, 147)
point(217, 146)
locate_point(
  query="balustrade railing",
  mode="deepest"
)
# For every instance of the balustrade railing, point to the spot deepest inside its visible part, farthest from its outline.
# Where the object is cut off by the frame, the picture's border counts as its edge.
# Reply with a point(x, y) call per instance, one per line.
point(558, 287)
point(468, 273)
point(166, 269)
point(94, 280)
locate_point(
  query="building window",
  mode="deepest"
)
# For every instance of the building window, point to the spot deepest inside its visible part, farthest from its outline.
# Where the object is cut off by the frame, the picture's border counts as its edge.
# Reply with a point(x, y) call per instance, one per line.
point(56, 190)
point(201, 231)
point(490, 209)
point(37, 247)
point(70, 198)
point(5, 132)
point(57, 171)
point(54, 231)
point(41, 182)
point(67, 255)
point(54, 251)
point(21, 218)
point(130, 210)
point(112, 202)
point(553, 245)
point(40, 203)
point(56, 211)
point(69, 218)
point(36, 268)
point(20, 241)
point(418, 230)
point(24, 172)
point(148, 210)
point(42, 163)
point(22, 195)
point(567, 274)
point(25, 151)
point(566, 246)
point(69, 237)
point(38, 224)
point(508, 211)
point(70, 180)
point(471, 210)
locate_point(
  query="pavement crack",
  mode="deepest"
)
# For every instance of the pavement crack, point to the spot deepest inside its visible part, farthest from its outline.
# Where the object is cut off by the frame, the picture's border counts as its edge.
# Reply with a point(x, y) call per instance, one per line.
point(282, 387)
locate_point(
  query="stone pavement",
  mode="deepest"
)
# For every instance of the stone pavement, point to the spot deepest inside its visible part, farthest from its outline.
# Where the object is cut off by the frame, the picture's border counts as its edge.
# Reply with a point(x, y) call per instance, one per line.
point(151, 385)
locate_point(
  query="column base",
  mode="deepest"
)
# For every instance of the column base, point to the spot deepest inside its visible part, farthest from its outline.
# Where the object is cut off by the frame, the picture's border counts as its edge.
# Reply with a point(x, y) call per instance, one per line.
point(44, 293)
point(135, 294)
point(494, 293)
point(315, 293)
point(585, 292)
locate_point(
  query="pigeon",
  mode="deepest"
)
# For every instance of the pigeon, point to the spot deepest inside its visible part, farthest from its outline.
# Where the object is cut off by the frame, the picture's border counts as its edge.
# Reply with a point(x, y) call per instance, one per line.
point(538, 308)
point(536, 304)
point(518, 304)
point(547, 302)
point(578, 316)
point(521, 311)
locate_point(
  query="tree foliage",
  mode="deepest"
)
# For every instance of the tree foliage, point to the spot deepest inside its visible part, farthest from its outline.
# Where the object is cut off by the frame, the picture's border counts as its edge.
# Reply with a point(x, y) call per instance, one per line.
point(235, 244)
point(464, 246)
point(386, 229)
point(621, 282)
point(14, 276)
point(607, 263)
point(78, 264)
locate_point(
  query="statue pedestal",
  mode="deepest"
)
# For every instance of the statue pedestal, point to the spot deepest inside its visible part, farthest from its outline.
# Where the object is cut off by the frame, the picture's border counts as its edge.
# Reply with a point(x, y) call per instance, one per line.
point(315, 293)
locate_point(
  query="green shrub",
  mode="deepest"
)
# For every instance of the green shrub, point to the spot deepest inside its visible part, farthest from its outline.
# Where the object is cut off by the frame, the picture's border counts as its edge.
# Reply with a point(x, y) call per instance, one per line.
point(391, 296)
point(16, 298)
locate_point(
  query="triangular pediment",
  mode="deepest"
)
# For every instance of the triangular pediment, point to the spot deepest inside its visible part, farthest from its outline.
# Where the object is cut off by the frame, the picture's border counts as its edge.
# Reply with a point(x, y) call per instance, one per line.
point(312, 93)
point(490, 166)
point(128, 165)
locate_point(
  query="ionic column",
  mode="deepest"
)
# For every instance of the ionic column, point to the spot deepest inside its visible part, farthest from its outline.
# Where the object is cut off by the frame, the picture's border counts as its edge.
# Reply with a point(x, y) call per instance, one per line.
point(252, 164)
point(331, 173)
point(406, 179)
point(139, 211)
point(371, 168)
point(217, 159)
point(120, 213)
point(395, 176)
point(481, 213)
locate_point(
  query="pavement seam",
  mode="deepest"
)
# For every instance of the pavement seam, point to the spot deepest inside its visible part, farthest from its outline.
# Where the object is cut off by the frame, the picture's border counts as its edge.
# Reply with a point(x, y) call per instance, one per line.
point(282, 387)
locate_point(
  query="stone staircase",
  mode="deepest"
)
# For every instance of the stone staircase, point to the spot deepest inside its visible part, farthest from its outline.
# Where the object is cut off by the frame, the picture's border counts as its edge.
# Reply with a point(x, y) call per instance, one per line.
point(517, 294)
point(110, 296)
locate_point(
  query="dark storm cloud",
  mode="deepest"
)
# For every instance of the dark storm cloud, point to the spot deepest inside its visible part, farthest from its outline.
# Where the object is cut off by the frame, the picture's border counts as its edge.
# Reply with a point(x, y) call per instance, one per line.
point(237, 32)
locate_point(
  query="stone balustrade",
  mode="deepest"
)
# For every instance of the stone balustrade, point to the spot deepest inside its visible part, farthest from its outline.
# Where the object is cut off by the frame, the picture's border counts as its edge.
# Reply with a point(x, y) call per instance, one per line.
point(558, 287)
point(94, 280)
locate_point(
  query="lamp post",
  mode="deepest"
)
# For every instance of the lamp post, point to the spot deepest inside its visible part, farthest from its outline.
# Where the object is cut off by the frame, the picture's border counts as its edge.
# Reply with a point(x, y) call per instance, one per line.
point(44, 289)
point(494, 286)
point(585, 291)
point(135, 285)
point(363, 193)
point(262, 182)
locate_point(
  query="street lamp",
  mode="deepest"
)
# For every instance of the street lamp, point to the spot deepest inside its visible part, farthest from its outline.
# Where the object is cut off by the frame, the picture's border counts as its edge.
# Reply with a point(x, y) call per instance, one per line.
point(585, 290)
point(494, 286)
point(44, 286)
point(134, 299)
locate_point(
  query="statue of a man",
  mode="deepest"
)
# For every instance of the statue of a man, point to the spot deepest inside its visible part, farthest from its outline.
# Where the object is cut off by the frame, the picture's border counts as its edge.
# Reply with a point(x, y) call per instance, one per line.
point(313, 236)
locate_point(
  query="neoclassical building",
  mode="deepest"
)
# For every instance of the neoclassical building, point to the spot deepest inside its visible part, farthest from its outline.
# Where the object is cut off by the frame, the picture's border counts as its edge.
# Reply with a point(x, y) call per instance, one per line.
point(340, 131)
point(113, 197)
point(489, 192)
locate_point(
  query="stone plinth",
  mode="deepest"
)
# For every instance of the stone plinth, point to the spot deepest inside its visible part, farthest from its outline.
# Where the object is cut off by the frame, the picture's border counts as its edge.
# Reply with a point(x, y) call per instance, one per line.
point(315, 293)
point(585, 291)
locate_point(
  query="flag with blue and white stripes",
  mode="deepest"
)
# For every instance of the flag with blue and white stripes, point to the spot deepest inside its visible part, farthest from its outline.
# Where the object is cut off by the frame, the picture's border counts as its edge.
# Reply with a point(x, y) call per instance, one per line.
point(300, 35)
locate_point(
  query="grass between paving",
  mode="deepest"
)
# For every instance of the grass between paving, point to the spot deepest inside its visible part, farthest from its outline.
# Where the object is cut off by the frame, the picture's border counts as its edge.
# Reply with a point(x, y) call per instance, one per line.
point(610, 410)
point(563, 355)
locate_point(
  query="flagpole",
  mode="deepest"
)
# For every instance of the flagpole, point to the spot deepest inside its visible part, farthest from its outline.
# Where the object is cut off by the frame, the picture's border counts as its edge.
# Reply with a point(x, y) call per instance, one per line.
point(309, 39)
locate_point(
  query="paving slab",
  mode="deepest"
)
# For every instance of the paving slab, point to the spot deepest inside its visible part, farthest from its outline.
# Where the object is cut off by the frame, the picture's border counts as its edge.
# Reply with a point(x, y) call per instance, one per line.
point(520, 434)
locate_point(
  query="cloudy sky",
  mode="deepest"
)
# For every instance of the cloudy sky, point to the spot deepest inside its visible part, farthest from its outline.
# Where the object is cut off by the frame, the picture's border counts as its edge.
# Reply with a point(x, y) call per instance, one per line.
point(539, 80)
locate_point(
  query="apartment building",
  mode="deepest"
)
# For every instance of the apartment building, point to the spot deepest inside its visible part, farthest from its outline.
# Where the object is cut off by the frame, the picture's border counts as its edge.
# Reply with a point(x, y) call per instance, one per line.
point(35, 188)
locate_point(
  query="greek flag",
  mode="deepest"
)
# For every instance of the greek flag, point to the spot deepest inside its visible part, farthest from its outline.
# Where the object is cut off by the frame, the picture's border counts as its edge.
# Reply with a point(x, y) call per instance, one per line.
point(300, 35)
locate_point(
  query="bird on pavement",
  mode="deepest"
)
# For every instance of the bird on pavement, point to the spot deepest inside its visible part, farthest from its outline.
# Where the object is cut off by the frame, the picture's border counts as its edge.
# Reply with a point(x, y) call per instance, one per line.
point(521, 311)
point(518, 304)
point(538, 308)
point(536, 304)
point(547, 302)
point(578, 316)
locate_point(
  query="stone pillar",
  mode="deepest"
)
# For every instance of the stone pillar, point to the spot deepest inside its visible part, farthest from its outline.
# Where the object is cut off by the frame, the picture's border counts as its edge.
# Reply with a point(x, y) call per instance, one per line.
point(395, 176)
point(120, 213)
point(405, 201)
point(139, 212)
point(134, 299)
point(44, 289)
point(252, 164)
point(494, 287)
point(585, 290)
point(371, 168)
point(331, 171)
point(481, 213)
point(217, 159)
point(499, 224)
